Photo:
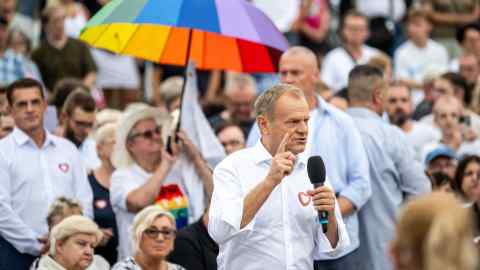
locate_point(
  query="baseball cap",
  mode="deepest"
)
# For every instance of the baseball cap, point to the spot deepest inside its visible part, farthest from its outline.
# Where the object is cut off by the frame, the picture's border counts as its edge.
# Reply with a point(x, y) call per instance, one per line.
point(441, 151)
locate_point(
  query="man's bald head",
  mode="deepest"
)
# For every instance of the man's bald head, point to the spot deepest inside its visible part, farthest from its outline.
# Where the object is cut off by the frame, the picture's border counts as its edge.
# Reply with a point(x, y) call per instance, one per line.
point(299, 66)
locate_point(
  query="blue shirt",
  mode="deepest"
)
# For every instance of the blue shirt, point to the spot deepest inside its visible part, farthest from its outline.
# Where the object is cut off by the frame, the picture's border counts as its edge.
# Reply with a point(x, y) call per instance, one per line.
point(395, 175)
point(333, 136)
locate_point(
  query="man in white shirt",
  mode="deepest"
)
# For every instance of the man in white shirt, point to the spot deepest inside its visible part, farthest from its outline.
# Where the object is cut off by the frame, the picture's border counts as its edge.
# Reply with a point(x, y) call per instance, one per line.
point(338, 63)
point(263, 211)
point(419, 53)
point(79, 118)
point(399, 107)
point(36, 167)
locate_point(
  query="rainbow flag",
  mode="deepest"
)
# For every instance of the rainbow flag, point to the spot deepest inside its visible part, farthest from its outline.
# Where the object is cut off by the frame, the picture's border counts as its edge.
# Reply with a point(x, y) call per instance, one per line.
point(172, 199)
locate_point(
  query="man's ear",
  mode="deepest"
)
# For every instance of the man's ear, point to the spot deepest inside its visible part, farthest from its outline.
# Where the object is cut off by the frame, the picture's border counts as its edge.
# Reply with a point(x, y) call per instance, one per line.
point(263, 125)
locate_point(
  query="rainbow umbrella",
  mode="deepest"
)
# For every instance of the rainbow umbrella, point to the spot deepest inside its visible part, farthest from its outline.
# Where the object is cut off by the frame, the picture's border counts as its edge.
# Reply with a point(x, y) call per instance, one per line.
point(216, 34)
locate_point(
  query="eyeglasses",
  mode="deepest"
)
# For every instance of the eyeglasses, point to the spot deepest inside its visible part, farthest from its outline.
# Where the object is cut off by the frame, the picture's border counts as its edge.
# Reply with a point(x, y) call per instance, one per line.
point(147, 134)
point(472, 173)
point(154, 233)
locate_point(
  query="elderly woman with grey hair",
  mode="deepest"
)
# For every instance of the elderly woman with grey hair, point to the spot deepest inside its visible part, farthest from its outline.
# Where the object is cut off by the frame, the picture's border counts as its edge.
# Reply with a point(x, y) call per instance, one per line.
point(144, 174)
point(153, 234)
point(72, 242)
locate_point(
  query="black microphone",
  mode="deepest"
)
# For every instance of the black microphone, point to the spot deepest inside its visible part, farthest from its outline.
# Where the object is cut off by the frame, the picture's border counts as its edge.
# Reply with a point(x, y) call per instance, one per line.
point(316, 173)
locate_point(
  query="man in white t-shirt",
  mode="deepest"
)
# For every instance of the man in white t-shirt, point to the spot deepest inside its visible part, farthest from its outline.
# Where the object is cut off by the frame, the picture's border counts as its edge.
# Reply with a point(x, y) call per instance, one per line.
point(338, 62)
point(414, 57)
point(399, 108)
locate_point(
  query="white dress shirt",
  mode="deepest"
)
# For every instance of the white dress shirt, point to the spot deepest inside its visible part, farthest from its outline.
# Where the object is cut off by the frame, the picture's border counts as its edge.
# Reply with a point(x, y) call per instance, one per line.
point(283, 234)
point(31, 178)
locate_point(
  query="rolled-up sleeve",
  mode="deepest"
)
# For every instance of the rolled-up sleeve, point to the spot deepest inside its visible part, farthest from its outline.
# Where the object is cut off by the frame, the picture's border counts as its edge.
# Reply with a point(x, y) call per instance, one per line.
point(226, 208)
point(12, 228)
point(323, 246)
point(358, 189)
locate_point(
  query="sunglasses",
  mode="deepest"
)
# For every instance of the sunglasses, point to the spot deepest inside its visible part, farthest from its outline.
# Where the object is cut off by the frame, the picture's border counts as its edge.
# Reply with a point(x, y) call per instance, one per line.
point(166, 233)
point(147, 134)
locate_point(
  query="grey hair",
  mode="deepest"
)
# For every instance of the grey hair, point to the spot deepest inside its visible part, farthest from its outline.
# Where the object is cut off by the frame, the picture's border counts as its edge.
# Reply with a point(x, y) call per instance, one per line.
point(145, 219)
point(265, 103)
point(171, 89)
point(121, 157)
point(303, 51)
point(240, 81)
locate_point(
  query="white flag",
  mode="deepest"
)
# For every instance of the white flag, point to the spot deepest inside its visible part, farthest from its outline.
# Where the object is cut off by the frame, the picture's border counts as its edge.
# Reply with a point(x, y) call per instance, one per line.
point(198, 129)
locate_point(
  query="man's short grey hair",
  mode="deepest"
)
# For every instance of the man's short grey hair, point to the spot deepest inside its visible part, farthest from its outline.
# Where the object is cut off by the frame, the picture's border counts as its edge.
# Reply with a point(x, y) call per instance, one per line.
point(303, 51)
point(240, 81)
point(265, 103)
point(363, 81)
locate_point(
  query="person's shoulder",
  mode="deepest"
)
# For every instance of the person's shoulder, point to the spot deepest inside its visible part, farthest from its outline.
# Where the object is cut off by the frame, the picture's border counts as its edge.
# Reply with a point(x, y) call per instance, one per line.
point(63, 143)
point(242, 156)
point(335, 53)
point(173, 266)
point(434, 45)
point(342, 118)
point(405, 47)
point(126, 264)
point(123, 172)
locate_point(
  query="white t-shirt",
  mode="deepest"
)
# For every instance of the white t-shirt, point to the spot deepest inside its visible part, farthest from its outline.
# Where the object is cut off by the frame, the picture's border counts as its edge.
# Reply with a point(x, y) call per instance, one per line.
point(412, 62)
point(421, 135)
point(382, 8)
point(338, 63)
point(123, 182)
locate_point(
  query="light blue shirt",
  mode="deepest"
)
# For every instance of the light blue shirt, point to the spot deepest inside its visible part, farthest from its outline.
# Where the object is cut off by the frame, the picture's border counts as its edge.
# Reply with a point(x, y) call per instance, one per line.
point(395, 176)
point(333, 136)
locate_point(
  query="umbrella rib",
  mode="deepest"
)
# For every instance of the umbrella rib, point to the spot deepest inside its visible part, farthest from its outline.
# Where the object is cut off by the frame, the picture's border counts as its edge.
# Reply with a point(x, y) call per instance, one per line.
point(100, 35)
point(129, 39)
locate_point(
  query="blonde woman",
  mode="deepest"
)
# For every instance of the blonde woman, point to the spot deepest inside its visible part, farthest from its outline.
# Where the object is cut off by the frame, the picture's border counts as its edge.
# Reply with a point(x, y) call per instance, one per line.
point(61, 209)
point(72, 242)
point(153, 234)
point(434, 232)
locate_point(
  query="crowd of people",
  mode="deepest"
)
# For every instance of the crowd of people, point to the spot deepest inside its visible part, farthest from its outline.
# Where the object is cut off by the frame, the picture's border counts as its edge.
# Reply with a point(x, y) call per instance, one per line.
point(95, 174)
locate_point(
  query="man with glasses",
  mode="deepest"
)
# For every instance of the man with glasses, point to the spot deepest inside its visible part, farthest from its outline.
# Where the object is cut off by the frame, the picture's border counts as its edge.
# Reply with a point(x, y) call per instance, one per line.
point(36, 167)
point(78, 119)
point(231, 137)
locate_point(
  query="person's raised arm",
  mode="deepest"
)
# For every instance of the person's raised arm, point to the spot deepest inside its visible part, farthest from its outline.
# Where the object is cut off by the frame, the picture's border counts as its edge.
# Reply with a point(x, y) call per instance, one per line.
point(145, 195)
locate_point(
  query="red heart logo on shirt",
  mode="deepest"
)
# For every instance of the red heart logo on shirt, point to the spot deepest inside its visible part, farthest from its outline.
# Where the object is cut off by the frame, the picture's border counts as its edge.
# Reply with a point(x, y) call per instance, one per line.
point(63, 167)
point(304, 198)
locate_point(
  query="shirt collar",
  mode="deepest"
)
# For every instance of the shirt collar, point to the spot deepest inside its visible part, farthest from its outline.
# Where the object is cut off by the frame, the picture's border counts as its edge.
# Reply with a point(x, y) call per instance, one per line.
point(262, 155)
point(323, 106)
point(21, 138)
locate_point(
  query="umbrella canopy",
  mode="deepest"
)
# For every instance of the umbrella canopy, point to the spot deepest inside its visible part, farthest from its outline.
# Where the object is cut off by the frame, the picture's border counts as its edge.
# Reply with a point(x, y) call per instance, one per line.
point(216, 34)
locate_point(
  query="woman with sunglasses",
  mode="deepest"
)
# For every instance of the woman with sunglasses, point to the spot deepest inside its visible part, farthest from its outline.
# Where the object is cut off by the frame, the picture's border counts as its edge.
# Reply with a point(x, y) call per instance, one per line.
point(144, 174)
point(153, 234)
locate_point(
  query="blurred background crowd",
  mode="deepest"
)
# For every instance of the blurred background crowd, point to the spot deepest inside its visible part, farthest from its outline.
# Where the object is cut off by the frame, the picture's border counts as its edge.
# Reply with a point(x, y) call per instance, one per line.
point(115, 111)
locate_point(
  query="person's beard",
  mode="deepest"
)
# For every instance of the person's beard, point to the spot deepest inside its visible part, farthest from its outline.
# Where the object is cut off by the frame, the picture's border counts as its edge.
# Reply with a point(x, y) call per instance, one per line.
point(399, 118)
point(70, 135)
